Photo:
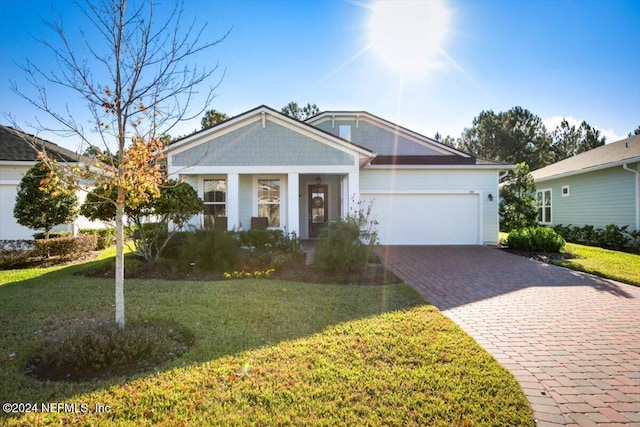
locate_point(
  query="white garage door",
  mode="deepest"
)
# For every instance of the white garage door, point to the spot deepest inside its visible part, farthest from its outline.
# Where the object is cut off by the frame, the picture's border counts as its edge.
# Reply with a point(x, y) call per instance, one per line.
point(427, 219)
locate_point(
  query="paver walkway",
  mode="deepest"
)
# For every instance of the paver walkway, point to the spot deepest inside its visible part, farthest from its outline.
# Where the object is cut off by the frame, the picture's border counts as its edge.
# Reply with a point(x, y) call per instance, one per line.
point(571, 339)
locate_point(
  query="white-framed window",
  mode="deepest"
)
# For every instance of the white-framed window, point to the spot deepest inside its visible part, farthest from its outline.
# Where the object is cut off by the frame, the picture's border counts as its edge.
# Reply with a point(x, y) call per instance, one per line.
point(344, 131)
point(543, 198)
point(269, 200)
point(566, 191)
point(215, 198)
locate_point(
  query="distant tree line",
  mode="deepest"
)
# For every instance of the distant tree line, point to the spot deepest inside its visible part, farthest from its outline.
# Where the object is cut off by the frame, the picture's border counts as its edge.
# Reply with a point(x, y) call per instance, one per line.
point(518, 135)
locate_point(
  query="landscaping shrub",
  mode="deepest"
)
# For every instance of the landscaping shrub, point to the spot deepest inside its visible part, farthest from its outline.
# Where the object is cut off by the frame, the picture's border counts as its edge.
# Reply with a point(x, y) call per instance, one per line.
point(611, 237)
point(270, 240)
point(535, 239)
point(64, 247)
point(15, 253)
point(96, 350)
point(148, 239)
point(614, 237)
point(346, 245)
point(52, 234)
point(176, 241)
point(634, 241)
point(211, 250)
point(105, 236)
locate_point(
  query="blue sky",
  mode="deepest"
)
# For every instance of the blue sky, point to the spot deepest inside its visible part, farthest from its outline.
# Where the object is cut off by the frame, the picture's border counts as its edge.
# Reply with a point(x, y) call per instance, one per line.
point(573, 59)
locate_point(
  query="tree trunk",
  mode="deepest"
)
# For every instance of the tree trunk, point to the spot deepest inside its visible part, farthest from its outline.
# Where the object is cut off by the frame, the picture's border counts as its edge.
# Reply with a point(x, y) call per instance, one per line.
point(119, 273)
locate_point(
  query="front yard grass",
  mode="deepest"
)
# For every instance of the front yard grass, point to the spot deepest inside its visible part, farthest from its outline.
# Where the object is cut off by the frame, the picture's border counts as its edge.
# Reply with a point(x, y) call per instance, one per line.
point(616, 265)
point(607, 263)
point(267, 352)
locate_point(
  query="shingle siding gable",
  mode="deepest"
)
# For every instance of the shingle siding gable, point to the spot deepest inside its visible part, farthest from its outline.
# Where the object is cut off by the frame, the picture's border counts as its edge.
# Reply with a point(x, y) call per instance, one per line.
point(377, 139)
point(253, 145)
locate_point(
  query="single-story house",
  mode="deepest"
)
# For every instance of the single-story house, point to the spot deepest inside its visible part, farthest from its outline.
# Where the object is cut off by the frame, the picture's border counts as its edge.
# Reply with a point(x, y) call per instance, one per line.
point(17, 156)
point(263, 168)
point(598, 187)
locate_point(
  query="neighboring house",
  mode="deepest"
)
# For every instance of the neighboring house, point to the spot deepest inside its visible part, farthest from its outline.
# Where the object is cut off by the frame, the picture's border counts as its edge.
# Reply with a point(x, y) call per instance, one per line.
point(597, 187)
point(17, 156)
point(263, 168)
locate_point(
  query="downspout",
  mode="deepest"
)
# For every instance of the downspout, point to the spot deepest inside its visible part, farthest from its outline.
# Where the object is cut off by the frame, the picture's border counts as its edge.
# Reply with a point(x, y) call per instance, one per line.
point(626, 167)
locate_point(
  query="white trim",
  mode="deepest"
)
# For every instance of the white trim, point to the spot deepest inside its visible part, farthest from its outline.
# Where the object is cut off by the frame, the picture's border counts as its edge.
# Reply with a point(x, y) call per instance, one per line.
point(568, 193)
point(480, 197)
point(9, 182)
point(411, 167)
point(213, 170)
point(421, 192)
point(637, 173)
point(283, 197)
point(293, 201)
point(586, 170)
point(233, 201)
point(550, 219)
point(353, 188)
point(200, 191)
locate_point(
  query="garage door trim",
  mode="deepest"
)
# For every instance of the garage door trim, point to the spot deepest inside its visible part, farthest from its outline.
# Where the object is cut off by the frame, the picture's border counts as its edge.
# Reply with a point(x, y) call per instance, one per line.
point(478, 193)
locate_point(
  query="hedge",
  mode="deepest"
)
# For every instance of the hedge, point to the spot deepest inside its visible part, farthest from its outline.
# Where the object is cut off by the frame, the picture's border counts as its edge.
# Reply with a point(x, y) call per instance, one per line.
point(64, 247)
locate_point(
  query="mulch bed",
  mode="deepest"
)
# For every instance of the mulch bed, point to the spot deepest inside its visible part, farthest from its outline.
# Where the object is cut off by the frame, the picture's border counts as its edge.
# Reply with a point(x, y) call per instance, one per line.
point(373, 274)
point(539, 256)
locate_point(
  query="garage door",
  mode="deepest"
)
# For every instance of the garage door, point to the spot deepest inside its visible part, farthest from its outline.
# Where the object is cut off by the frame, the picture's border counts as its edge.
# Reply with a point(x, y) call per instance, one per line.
point(427, 219)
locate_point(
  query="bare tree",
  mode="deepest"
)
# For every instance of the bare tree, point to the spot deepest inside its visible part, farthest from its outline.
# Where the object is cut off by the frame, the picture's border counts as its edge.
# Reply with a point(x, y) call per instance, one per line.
point(137, 83)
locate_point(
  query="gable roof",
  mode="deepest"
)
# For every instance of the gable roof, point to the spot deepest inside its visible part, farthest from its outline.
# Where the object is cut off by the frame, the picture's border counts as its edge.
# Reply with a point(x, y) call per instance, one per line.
point(16, 146)
point(605, 156)
point(263, 110)
point(391, 127)
point(406, 147)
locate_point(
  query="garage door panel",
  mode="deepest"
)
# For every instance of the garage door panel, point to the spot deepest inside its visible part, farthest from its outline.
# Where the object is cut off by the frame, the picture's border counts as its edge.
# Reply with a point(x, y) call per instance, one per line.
point(432, 219)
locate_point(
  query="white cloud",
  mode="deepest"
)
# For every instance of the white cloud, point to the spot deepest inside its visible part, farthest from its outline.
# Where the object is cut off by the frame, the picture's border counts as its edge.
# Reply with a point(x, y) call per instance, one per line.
point(553, 122)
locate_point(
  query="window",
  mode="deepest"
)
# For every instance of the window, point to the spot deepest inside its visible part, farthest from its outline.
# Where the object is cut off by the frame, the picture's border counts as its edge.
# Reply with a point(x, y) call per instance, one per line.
point(344, 131)
point(544, 206)
point(565, 191)
point(215, 198)
point(269, 200)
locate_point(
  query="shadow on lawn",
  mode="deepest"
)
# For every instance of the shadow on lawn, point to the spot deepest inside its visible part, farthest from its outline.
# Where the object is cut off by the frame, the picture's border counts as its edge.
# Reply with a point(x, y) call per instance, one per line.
point(452, 276)
point(226, 317)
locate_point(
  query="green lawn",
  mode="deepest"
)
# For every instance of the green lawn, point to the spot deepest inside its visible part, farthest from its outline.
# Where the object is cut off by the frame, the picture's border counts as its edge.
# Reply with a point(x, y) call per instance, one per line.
point(267, 352)
point(615, 265)
point(621, 266)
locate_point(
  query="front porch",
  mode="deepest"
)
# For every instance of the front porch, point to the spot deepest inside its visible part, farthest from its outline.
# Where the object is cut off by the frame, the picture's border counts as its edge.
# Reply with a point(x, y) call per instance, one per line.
point(293, 202)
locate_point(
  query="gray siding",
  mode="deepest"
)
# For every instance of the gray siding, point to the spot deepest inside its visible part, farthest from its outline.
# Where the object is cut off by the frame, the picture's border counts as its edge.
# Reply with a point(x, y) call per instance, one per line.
point(596, 198)
point(251, 145)
point(377, 139)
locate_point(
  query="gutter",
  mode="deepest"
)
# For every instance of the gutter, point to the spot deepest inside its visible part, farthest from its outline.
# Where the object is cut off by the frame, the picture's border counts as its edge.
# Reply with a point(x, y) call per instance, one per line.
point(626, 167)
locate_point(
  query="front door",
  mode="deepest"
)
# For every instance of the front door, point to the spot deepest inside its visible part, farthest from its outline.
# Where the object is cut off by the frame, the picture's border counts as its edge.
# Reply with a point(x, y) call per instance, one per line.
point(318, 209)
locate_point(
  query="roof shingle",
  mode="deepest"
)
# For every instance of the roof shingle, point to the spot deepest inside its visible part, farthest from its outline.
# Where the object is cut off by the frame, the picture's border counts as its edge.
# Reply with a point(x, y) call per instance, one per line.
point(15, 146)
point(623, 151)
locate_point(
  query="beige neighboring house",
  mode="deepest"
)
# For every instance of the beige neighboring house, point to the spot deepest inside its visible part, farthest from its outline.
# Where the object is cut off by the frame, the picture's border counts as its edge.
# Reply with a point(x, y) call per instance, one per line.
point(17, 156)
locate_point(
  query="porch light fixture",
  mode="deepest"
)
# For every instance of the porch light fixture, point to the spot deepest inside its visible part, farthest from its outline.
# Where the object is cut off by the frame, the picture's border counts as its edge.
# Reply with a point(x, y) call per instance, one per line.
point(490, 197)
point(318, 181)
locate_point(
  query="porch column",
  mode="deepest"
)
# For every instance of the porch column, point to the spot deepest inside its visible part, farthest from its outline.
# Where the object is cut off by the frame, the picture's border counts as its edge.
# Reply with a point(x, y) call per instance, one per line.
point(353, 194)
point(293, 203)
point(233, 201)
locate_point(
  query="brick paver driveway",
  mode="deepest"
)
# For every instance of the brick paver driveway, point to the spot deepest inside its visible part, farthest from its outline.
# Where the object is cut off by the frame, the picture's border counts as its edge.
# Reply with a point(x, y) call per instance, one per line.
point(571, 339)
